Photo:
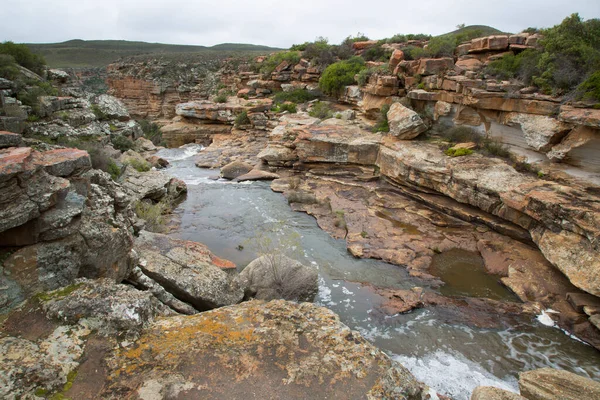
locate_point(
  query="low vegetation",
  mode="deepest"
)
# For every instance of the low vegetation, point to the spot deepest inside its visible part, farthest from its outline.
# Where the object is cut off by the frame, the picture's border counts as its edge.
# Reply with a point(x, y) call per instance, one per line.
point(153, 214)
point(139, 165)
point(121, 143)
point(382, 124)
point(567, 63)
point(152, 132)
point(22, 55)
point(452, 152)
point(268, 66)
point(321, 110)
point(242, 119)
point(297, 96)
point(340, 74)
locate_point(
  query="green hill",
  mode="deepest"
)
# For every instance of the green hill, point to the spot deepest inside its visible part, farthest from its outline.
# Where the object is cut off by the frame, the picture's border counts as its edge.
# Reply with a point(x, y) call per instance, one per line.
point(472, 31)
point(98, 53)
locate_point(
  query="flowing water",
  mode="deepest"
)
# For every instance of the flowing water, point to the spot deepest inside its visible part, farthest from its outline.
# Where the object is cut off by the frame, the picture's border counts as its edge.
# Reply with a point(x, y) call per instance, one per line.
point(451, 358)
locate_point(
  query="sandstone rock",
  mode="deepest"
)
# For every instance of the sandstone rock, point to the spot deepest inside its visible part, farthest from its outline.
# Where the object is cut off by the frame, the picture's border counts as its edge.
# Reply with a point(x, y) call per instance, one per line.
point(153, 185)
point(266, 337)
point(467, 145)
point(371, 104)
point(135, 159)
point(9, 139)
point(493, 393)
point(471, 64)
point(576, 138)
point(181, 131)
point(187, 270)
point(64, 162)
point(222, 112)
point(580, 116)
point(144, 282)
point(396, 57)
point(157, 162)
point(108, 307)
point(548, 383)
point(541, 132)
point(275, 276)
point(346, 115)
point(490, 43)
point(143, 144)
point(441, 109)
point(257, 175)
point(51, 104)
point(434, 66)
point(404, 123)
point(112, 107)
point(235, 169)
point(276, 153)
point(364, 44)
point(334, 141)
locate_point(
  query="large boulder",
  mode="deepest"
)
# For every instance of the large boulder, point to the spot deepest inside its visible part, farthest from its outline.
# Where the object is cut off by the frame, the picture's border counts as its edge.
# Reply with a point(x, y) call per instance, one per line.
point(235, 169)
point(336, 141)
point(541, 132)
point(108, 307)
point(151, 185)
point(9, 139)
point(278, 349)
point(276, 276)
point(550, 384)
point(112, 107)
point(404, 123)
point(187, 270)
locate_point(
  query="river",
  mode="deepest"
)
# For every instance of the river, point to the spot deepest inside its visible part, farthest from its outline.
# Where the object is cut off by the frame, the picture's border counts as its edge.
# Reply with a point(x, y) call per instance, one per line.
point(450, 357)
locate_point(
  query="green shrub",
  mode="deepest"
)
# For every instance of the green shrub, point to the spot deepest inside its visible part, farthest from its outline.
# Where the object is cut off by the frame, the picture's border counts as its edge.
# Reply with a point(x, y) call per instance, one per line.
point(140, 165)
point(242, 119)
point(113, 169)
point(452, 152)
point(321, 110)
point(221, 98)
point(590, 88)
point(340, 74)
point(33, 118)
point(522, 66)
point(30, 95)
point(121, 143)
point(462, 134)
point(24, 57)
point(376, 53)
point(289, 107)
point(441, 46)
point(269, 65)
point(362, 78)
point(297, 96)
point(571, 54)
point(382, 124)
point(496, 148)
point(152, 132)
point(8, 68)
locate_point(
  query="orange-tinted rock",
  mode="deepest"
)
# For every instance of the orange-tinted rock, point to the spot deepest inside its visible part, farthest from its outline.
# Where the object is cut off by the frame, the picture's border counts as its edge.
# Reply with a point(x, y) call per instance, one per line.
point(396, 57)
point(64, 162)
point(580, 116)
point(472, 64)
point(576, 138)
point(364, 45)
point(434, 66)
point(490, 43)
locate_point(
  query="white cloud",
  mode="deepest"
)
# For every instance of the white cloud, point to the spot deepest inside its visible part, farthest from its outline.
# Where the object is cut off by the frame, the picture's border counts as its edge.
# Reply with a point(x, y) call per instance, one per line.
point(274, 23)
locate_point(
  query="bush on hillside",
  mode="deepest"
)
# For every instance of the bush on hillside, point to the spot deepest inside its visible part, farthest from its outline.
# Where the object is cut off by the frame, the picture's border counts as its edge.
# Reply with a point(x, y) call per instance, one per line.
point(321, 110)
point(340, 74)
point(24, 57)
point(566, 63)
point(121, 143)
point(297, 96)
point(152, 132)
point(269, 65)
point(8, 67)
point(242, 119)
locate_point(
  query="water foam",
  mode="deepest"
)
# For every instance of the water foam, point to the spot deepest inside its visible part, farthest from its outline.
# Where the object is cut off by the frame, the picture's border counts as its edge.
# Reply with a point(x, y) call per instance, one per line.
point(452, 374)
point(181, 153)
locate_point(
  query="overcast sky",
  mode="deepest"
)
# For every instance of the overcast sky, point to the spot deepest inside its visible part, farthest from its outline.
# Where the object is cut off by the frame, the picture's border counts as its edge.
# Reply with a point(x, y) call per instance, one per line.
point(278, 23)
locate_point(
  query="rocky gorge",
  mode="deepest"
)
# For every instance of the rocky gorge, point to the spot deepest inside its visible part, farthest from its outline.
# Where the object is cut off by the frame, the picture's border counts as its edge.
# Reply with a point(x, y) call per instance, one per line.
point(96, 305)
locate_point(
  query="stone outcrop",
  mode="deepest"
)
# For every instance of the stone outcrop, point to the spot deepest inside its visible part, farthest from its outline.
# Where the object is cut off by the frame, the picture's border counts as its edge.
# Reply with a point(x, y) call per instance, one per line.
point(235, 169)
point(492, 186)
point(64, 217)
point(151, 185)
point(276, 276)
point(266, 337)
point(404, 123)
point(547, 383)
point(493, 393)
point(188, 271)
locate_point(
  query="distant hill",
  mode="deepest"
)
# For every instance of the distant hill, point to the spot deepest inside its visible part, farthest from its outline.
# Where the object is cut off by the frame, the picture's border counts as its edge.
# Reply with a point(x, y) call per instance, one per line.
point(98, 53)
point(473, 31)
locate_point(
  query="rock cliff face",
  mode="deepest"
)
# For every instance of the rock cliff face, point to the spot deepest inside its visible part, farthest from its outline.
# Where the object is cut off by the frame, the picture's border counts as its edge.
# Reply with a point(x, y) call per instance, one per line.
point(62, 216)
